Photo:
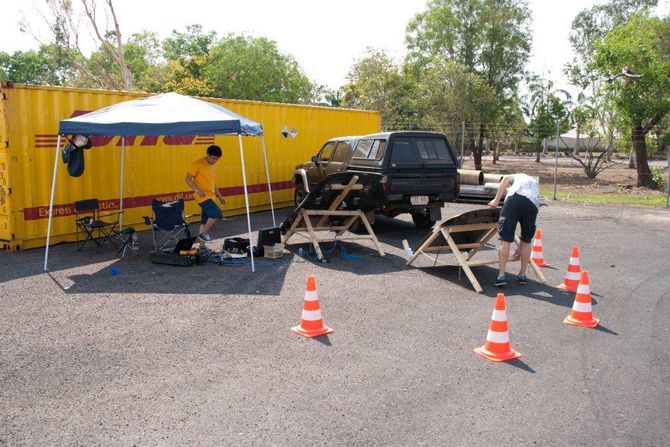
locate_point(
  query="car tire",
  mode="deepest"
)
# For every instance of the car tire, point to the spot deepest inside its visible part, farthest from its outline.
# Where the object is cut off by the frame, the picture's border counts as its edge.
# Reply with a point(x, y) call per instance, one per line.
point(299, 194)
point(422, 220)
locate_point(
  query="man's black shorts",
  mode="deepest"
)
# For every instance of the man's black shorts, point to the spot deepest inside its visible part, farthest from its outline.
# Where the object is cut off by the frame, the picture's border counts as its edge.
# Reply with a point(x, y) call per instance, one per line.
point(517, 209)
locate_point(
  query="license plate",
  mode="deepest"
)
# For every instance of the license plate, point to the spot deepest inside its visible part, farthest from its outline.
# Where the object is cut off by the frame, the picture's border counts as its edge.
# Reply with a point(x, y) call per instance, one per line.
point(418, 200)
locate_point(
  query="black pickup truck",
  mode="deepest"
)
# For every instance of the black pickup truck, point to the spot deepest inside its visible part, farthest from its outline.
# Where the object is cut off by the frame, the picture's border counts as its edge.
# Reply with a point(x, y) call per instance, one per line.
point(418, 169)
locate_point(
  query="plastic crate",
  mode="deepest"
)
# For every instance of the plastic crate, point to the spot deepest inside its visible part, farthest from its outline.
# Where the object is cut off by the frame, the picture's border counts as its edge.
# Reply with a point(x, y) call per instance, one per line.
point(273, 251)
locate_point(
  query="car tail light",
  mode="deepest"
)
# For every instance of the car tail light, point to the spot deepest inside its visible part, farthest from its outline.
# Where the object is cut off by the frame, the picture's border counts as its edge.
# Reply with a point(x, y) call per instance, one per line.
point(385, 184)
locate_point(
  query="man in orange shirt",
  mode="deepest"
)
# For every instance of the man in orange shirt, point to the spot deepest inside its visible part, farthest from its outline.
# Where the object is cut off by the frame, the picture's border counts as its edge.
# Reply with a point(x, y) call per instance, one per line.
point(201, 177)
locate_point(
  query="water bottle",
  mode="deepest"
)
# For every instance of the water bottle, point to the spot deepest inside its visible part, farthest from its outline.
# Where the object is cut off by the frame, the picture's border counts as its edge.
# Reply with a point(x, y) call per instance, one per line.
point(135, 242)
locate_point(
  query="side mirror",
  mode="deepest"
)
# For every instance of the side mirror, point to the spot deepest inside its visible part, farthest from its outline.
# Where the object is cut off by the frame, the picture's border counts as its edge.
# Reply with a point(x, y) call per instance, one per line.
point(315, 159)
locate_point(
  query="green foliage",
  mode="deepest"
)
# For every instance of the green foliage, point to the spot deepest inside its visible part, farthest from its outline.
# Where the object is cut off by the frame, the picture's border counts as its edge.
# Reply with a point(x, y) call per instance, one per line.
point(641, 46)
point(192, 43)
point(488, 37)
point(636, 58)
point(449, 93)
point(241, 67)
point(657, 175)
point(376, 82)
point(543, 124)
point(32, 67)
point(589, 27)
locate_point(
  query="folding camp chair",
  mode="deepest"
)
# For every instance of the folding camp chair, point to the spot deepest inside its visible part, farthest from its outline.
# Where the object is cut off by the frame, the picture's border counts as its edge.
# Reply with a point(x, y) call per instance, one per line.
point(95, 227)
point(169, 224)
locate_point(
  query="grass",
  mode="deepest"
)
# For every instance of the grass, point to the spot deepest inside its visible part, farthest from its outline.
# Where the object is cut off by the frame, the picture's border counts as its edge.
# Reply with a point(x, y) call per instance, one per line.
point(658, 199)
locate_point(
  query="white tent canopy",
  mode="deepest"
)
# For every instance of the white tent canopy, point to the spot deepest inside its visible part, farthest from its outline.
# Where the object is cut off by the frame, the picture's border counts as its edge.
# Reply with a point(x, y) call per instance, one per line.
point(164, 114)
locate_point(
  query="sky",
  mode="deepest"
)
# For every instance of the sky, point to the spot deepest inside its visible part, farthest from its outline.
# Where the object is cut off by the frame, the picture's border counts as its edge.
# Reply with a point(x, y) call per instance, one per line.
point(325, 37)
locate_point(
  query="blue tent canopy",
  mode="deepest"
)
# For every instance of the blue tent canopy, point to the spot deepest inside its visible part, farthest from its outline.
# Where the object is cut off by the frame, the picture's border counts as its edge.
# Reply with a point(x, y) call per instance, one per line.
point(164, 114)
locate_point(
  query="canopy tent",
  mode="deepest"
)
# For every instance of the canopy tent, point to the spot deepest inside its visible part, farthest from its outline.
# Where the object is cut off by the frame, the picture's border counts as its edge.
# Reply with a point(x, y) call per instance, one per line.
point(164, 114)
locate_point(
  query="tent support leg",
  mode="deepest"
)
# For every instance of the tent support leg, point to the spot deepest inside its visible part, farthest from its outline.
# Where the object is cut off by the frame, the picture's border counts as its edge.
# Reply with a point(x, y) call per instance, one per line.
point(267, 174)
point(123, 147)
point(246, 201)
point(51, 204)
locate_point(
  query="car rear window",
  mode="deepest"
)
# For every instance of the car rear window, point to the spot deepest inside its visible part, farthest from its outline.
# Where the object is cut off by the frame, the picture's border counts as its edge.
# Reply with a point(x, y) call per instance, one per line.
point(420, 150)
point(370, 149)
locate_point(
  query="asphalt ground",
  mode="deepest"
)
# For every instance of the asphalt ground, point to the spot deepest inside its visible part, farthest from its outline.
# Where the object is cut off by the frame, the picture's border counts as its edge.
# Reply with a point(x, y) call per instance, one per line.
point(202, 355)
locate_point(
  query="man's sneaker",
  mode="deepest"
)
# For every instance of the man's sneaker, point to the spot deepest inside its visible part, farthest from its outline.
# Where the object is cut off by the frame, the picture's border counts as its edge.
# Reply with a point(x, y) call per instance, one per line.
point(523, 279)
point(501, 281)
point(204, 237)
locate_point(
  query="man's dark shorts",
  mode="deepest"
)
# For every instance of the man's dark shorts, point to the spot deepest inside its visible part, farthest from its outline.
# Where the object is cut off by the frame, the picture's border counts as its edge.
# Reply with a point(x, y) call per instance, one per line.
point(517, 209)
point(209, 210)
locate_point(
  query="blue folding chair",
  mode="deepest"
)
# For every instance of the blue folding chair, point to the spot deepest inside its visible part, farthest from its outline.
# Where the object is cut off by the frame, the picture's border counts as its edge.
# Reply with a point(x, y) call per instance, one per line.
point(169, 224)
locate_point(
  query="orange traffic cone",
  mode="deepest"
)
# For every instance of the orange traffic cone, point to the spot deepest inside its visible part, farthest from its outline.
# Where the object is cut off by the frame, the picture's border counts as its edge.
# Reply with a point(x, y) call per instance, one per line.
point(571, 280)
point(497, 347)
point(581, 314)
point(536, 254)
point(311, 323)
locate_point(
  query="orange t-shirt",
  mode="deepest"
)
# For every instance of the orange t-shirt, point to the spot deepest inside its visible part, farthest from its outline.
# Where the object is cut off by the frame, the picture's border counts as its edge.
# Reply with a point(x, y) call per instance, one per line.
point(203, 175)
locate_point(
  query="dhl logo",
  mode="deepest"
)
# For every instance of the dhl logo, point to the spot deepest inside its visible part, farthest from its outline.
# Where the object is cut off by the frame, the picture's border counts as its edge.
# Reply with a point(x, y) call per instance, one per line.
point(50, 140)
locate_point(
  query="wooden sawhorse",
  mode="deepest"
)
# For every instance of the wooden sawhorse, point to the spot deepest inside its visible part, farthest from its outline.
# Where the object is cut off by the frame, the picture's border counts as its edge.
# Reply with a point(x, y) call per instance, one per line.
point(465, 251)
point(303, 225)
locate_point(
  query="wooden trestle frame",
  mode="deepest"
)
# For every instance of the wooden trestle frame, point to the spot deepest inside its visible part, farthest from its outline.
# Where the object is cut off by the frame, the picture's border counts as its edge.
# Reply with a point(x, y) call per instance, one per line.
point(303, 225)
point(464, 252)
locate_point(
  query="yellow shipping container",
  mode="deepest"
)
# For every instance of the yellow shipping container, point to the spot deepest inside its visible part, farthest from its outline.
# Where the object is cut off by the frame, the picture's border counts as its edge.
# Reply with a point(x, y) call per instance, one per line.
point(155, 167)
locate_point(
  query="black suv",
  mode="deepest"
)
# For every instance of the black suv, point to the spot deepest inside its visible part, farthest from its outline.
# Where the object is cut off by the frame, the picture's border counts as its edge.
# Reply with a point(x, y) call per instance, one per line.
point(419, 171)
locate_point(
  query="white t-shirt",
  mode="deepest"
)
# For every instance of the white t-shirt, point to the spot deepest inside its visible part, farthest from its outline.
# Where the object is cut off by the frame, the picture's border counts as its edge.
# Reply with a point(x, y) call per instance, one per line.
point(526, 186)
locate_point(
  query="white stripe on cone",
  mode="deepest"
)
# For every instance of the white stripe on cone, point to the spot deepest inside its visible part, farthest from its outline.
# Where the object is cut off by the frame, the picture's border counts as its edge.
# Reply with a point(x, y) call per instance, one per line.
point(583, 289)
point(578, 306)
point(311, 315)
point(497, 337)
point(574, 261)
point(573, 275)
point(499, 315)
point(311, 295)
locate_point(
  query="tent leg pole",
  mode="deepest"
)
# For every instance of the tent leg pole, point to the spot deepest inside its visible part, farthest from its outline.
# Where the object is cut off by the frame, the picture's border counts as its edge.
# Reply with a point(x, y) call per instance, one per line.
point(267, 174)
point(123, 147)
point(246, 201)
point(51, 205)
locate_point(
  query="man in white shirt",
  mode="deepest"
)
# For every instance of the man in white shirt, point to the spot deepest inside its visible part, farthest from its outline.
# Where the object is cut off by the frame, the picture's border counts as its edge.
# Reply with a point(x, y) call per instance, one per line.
point(522, 203)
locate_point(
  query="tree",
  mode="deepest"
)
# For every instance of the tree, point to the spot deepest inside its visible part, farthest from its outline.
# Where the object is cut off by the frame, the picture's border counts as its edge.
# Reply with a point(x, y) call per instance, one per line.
point(448, 94)
point(63, 19)
point(488, 37)
point(188, 54)
point(589, 27)
point(636, 59)
point(29, 67)
point(376, 82)
point(549, 112)
point(242, 67)
point(544, 107)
